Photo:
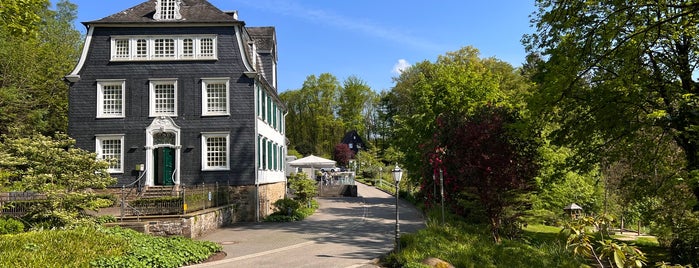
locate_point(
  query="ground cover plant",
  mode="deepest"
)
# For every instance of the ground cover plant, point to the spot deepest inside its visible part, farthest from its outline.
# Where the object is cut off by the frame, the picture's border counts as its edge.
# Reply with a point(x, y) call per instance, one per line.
point(100, 247)
point(469, 245)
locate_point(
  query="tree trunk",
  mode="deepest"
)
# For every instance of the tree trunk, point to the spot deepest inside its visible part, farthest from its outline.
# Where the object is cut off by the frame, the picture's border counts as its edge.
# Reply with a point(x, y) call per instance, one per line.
point(495, 230)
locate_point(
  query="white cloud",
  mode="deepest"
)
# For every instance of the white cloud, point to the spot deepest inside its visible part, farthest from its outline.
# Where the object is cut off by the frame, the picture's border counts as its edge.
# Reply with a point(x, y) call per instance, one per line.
point(400, 66)
point(339, 21)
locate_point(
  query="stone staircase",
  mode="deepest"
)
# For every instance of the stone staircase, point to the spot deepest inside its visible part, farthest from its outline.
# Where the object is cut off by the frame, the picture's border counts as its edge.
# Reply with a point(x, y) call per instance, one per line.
point(159, 191)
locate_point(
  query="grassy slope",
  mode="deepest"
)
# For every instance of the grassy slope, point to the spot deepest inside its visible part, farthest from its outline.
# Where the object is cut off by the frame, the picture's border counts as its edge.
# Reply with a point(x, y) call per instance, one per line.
point(470, 246)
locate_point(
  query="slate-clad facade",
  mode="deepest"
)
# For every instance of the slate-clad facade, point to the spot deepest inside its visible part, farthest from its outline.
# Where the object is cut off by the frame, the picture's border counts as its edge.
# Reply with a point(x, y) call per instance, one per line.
point(178, 90)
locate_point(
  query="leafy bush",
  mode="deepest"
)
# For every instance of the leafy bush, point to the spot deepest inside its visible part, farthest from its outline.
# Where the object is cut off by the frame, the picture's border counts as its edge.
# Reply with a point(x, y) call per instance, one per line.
point(105, 219)
point(286, 205)
point(149, 251)
point(685, 249)
point(52, 167)
point(304, 189)
point(541, 216)
point(291, 210)
point(10, 226)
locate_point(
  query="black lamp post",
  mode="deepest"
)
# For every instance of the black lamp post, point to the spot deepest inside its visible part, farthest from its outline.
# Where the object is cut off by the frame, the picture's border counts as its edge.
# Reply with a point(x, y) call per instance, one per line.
point(397, 174)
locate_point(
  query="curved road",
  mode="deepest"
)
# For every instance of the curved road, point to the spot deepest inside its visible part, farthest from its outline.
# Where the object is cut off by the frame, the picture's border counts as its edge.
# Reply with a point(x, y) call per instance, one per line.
point(344, 232)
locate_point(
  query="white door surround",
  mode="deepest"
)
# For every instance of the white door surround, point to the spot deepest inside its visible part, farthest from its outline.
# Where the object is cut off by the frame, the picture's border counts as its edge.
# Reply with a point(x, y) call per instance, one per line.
point(160, 134)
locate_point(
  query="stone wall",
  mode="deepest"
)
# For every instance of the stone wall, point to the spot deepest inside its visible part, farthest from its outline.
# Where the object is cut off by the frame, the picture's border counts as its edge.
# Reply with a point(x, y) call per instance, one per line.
point(199, 223)
point(270, 193)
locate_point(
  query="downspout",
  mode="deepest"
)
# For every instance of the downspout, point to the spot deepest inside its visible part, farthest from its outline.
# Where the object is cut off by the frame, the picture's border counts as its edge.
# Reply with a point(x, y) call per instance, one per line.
point(285, 153)
point(257, 155)
point(251, 73)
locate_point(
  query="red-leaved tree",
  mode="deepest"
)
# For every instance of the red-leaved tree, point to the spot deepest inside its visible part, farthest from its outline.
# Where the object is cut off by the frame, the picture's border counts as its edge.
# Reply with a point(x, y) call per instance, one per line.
point(488, 164)
point(343, 154)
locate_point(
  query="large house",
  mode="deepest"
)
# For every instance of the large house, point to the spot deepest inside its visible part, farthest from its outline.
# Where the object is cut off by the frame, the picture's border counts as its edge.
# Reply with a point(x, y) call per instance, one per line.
point(183, 93)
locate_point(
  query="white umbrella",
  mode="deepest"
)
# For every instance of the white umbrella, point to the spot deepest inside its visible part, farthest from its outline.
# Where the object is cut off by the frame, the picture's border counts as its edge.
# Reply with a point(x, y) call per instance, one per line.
point(312, 162)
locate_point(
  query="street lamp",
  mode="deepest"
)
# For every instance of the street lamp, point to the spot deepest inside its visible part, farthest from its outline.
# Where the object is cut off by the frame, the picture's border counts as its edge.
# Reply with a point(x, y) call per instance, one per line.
point(441, 190)
point(397, 174)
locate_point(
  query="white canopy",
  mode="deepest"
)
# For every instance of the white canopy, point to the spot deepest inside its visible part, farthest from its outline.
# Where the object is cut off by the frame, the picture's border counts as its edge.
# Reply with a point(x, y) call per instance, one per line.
point(572, 207)
point(312, 161)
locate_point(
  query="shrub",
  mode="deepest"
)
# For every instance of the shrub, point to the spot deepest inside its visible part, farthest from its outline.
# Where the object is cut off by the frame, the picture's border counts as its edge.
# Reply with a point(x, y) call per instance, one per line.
point(10, 226)
point(541, 216)
point(105, 219)
point(286, 205)
point(304, 189)
point(150, 251)
point(291, 210)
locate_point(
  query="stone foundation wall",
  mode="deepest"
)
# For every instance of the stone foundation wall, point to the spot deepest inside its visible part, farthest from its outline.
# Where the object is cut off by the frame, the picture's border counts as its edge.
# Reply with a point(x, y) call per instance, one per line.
point(270, 193)
point(199, 223)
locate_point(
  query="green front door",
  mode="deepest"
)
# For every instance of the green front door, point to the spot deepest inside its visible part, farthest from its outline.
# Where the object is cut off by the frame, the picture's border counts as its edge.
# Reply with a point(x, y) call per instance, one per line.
point(164, 165)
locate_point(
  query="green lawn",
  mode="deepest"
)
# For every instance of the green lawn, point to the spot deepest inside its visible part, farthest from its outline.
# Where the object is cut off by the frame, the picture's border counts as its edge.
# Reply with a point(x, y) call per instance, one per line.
point(465, 245)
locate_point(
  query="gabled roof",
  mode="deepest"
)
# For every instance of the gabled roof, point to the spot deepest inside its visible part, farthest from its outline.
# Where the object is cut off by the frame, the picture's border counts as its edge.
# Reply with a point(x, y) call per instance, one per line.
point(352, 137)
point(193, 11)
point(263, 37)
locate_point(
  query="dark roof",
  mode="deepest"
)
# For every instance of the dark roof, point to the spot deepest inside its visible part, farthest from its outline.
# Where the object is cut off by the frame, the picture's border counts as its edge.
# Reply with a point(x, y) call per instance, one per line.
point(263, 36)
point(352, 137)
point(193, 11)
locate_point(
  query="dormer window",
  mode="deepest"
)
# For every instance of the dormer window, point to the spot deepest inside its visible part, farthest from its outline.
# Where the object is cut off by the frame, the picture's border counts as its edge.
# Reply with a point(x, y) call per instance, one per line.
point(167, 10)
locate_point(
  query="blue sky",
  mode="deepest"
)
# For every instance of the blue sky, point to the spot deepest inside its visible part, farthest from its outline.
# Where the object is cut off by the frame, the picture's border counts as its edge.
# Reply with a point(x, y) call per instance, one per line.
point(368, 38)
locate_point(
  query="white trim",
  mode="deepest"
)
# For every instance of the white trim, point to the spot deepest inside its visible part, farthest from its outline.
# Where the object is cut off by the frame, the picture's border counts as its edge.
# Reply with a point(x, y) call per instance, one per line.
point(73, 76)
point(162, 124)
point(204, 93)
point(100, 138)
point(159, 10)
point(178, 47)
point(100, 97)
point(243, 55)
point(205, 149)
point(167, 24)
point(152, 82)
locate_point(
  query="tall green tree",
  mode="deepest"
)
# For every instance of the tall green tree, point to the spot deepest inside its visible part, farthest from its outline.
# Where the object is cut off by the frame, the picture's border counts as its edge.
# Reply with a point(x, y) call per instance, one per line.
point(611, 73)
point(457, 83)
point(354, 104)
point(323, 110)
point(21, 17)
point(33, 96)
point(312, 124)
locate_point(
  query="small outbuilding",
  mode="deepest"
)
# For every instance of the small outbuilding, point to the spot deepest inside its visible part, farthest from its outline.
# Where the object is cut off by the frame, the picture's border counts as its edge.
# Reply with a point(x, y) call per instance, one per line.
point(574, 210)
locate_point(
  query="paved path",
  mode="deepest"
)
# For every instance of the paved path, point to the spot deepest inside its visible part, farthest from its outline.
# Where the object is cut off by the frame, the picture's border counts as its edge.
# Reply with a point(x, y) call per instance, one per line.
point(344, 232)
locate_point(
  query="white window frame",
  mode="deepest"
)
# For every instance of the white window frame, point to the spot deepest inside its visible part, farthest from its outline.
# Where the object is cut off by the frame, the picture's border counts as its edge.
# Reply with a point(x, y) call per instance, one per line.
point(197, 48)
point(205, 100)
point(100, 98)
point(167, 10)
point(205, 151)
point(99, 149)
point(161, 81)
point(116, 49)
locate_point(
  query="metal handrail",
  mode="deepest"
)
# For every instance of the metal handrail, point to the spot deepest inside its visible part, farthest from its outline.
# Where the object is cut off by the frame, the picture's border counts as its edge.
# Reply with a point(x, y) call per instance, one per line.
point(172, 178)
point(135, 184)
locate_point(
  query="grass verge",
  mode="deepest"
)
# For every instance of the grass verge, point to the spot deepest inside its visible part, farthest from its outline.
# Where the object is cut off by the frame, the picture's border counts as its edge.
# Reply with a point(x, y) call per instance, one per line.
point(465, 245)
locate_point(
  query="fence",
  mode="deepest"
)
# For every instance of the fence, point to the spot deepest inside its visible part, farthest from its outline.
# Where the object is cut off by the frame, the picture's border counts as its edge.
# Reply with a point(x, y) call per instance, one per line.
point(187, 199)
point(17, 204)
